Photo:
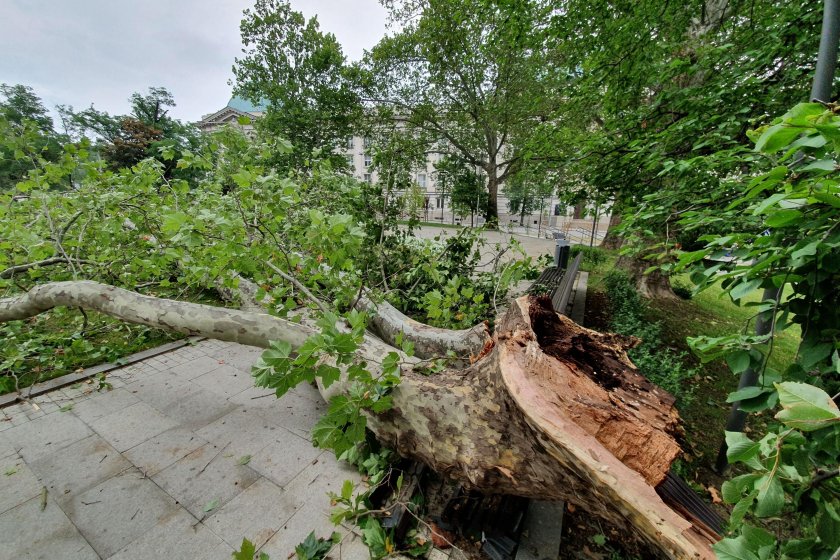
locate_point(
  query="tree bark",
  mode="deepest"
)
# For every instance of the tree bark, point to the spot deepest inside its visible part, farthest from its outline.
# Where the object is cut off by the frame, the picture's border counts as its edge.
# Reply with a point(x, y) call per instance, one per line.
point(387, 322)
point(492, 213)
point(612, 240)
point(653, 285)
point(550, 410)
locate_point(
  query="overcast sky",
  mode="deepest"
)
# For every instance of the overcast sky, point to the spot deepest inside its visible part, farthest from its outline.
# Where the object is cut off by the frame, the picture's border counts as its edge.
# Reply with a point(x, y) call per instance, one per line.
point(79, 52)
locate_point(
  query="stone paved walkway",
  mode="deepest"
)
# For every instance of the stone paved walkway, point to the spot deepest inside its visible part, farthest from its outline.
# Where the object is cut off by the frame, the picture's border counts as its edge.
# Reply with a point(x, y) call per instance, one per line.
point(157, 467)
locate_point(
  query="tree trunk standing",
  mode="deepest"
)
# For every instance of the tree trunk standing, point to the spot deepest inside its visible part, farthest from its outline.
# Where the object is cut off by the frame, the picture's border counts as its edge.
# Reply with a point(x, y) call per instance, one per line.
point(654, 285)
point(578, 212)
point(612, 240)
point(492, 213)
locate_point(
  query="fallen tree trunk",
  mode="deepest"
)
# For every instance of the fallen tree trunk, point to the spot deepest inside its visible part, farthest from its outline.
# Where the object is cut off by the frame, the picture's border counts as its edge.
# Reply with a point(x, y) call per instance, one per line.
point(550, 411)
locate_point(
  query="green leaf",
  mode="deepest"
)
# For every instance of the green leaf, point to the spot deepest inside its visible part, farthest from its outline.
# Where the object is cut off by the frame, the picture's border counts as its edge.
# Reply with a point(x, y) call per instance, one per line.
point(347, 489)
point(733, 549)
point(744, 288)
point(741, 508)
point(738, 361)
point(805, 407)
point(745, 393)
point(211, 505)
point(784, 217)
point(821, 165)
point(740, 448)
point(776, 137)
point(246, 551)
point(771, 496)
point(244, 460)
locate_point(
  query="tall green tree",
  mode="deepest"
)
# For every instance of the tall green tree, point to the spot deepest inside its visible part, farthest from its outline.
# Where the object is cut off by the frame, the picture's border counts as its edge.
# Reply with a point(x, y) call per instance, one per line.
point(301, 73)
point(147, 131)
point(665, 86)
point(484, 78)
point(35, 140)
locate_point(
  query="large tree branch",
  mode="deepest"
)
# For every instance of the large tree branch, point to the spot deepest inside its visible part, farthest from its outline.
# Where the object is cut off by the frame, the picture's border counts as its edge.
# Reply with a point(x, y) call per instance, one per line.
point(429, 342)
point(244, 327)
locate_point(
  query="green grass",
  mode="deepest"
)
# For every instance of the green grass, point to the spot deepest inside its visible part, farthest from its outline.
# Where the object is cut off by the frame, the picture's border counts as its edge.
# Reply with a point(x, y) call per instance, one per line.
point(729, 318)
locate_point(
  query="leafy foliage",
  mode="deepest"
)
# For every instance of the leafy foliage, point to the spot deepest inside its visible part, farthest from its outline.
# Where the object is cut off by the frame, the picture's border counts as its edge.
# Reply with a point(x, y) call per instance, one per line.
point(299, 72)
point(657, 362)
point(783, 237)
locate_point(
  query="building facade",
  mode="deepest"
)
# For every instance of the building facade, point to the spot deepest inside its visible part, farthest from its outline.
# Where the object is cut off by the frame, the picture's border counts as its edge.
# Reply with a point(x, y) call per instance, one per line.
point(436, 205)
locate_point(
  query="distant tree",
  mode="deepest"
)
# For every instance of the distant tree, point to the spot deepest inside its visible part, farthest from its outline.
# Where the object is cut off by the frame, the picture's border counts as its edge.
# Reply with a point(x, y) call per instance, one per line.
point(147, 131)
point(301, 72)
point(527, 192)
point(483, 77)
point(22, 109)
point(469, 194)
point(20, 103)
point(131, 143)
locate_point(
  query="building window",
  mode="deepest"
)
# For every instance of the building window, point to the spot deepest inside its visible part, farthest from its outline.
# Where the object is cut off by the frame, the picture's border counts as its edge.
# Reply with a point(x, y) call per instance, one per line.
point(421, 180)
point(349, 159)
point(349, 143)
point(368, 178)
point(439, 201)
point(367, 142)
point(368, 160)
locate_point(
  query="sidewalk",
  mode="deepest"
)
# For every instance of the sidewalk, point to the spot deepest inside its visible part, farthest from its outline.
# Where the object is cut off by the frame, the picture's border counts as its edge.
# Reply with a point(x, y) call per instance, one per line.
point(182, 458)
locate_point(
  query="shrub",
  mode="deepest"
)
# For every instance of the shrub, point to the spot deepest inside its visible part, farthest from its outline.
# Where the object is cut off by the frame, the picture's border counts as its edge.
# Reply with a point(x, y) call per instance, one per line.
point(657, 362)
point(682, 289)
point(592, 256)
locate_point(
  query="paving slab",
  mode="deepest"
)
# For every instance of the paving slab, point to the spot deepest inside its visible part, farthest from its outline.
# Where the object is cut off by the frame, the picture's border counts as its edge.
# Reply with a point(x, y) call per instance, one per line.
point(209, 475)
point(256, 514)
point(18, 484)
point(543, 529)
point(225, 380)
point(120, 510)
point(294, 412)
point(32, 533)
point(132, 425)
point(157, 453)
point(106, 403)
point(42, 436)
point(244, 431)
point(194, 367)
point(281, 461)
point(239, 356)
point(130, 471)
point(78, 467)
point(161, 391)
point(308, 519)
point(197, 408)
point(176, 536)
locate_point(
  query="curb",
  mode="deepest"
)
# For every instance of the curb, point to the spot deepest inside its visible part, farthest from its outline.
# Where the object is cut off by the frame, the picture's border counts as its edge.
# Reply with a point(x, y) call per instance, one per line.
point(87, 373)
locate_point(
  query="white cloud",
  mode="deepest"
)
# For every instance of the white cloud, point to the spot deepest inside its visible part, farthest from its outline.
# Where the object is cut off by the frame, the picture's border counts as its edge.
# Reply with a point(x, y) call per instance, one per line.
point(101, 51)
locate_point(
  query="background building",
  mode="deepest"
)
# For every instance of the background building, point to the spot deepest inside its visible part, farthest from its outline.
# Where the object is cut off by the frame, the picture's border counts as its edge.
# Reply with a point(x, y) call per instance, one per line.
point(437, 205)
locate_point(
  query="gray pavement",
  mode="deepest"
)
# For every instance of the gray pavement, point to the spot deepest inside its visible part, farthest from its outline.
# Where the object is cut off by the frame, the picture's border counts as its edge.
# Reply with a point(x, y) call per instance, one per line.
point(181, 458)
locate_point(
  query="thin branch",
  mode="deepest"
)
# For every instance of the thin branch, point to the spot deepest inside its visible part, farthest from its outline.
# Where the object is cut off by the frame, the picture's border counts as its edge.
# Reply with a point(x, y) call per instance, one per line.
point(296, 283)
point(21, 268)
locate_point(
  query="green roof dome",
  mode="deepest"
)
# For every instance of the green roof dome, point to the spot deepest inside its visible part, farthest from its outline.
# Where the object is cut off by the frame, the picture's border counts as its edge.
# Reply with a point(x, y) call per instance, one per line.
point(245, 106)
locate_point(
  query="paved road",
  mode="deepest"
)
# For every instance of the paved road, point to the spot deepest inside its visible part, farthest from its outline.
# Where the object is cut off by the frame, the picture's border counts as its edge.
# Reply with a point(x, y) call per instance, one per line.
point(157, 467)
point(533, 246)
